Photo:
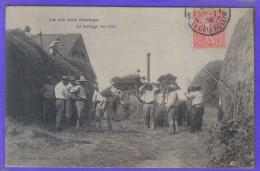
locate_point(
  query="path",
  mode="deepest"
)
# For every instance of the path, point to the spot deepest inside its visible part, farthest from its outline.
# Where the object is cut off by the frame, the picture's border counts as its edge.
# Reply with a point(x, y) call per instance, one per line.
point(130, 147)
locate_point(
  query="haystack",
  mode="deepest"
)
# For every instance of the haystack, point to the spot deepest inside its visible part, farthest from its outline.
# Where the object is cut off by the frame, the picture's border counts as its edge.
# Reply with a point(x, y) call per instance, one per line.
point(231, 143)
point(27, 67)
point(207, 83)
point(239, 64)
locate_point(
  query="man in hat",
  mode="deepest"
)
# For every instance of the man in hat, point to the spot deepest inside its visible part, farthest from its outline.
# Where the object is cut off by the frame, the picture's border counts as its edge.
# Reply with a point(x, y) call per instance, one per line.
point(61, 94)
point(189, 108)
point(149, 104)
point(171, 108)
point(95, 99)
point(27, 30)
point(54, 47)
point(47, 92)
point(80, 91)
point(197, 108)
point(160, 108)
point(71, 109)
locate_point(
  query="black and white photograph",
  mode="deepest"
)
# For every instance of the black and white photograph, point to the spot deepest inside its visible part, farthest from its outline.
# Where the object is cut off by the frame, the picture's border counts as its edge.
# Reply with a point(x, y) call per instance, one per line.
point(129, 87)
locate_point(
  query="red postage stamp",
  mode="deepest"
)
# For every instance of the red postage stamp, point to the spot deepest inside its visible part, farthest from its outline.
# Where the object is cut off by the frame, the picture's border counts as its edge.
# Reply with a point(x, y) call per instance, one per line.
point(208, 25)
point(214, 41)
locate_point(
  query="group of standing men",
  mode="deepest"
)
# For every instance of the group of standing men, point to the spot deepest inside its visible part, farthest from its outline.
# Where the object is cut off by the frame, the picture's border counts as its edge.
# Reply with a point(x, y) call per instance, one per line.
point(162, 104)
point(69, 97)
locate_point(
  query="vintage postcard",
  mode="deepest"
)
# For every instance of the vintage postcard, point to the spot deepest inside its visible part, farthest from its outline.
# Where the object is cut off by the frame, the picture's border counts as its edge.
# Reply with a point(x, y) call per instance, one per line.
point(129, 87)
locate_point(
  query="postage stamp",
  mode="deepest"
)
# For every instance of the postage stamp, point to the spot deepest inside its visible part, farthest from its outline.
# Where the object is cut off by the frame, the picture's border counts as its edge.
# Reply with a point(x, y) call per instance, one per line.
point(208, 25)
point(215, 41)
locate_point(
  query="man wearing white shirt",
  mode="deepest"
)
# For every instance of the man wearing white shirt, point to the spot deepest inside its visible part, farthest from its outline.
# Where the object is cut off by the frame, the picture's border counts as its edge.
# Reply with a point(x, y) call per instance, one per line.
point(61, 94)
point(197, 108)
point(160, 108)
point(71, 109)
point(149, 106)
point(171, 100)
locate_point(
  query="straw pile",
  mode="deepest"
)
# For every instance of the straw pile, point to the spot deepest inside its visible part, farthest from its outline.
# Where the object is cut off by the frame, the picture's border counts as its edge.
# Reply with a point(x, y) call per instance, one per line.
point(239, 63)
point(27, 67)
point(207, 83)
point(231, 143)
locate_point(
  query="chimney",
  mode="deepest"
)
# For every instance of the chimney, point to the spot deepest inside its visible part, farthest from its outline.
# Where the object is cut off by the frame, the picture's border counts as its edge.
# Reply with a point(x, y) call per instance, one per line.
point(148, 66)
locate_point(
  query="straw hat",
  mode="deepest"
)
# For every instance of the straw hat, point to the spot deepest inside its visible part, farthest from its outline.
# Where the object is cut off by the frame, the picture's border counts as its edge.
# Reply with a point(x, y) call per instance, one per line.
point(49, 77)
point(82, 79)
point(65, 78)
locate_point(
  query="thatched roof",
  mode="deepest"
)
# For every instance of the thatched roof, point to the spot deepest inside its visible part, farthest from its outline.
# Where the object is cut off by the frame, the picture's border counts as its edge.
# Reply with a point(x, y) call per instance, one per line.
point(67, 41)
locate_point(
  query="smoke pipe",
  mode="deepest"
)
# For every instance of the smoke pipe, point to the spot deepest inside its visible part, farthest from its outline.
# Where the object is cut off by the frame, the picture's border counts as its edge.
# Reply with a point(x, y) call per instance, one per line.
point(148, 66)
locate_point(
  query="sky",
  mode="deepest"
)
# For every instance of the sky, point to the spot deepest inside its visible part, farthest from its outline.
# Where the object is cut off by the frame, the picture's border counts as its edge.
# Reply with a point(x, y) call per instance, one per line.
point(136, 31)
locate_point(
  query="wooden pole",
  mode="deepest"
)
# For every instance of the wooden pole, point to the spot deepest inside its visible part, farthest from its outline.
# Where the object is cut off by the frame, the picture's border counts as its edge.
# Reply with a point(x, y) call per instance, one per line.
point(41, 38)
point(221, 83)
point(148, 66)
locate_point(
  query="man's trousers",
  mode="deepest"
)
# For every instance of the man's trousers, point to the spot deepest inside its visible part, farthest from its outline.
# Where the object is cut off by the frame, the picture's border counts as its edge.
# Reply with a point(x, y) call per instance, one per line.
point(198, 111)
point(60, 110)
point(81, 109)
point(149, 111)
point(71, 111)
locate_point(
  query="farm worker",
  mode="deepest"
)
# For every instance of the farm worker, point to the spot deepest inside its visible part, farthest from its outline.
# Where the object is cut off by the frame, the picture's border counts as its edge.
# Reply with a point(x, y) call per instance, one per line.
point(71, 109)
point(47, 91)
point(105, 107)
point(171, 108)
point(113, 89)
point(61, 94)
point(115, 100)
point(95, 99)
point(197, 108)
point(189, 108)
point(54, 47)
point(149, 106)
point(81, 93)
point(27, 30)
point(160, 106)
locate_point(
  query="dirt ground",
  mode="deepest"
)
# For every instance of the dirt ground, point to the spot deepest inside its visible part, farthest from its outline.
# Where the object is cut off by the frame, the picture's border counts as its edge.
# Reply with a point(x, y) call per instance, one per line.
point(128, 145)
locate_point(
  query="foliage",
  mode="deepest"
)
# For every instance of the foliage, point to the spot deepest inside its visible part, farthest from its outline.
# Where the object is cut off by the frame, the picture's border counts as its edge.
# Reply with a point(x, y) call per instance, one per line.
point(231, 143)
point(167, 80)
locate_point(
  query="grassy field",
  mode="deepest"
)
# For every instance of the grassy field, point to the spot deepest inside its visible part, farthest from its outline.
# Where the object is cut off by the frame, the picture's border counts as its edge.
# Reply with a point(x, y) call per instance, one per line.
point(127, 145)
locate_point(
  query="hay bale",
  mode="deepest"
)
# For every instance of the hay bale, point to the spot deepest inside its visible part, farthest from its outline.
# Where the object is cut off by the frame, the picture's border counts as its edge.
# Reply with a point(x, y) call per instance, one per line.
point(27, 67)
point(239, 64)
point(207, 83)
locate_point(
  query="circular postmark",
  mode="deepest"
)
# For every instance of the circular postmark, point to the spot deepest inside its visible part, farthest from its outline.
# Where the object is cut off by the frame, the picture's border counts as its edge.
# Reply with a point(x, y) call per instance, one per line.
point(208, 21)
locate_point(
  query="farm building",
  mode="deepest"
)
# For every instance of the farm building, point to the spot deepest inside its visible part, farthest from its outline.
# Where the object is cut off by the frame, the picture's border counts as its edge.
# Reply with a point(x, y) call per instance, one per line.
point(70, 46)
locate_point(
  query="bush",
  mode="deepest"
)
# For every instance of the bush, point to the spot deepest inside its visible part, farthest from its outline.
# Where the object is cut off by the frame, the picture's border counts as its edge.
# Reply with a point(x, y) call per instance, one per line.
point(231, 143)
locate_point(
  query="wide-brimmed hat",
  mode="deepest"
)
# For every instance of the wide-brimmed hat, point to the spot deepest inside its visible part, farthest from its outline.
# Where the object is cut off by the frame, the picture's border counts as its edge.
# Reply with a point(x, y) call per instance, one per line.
point(72, 78)
point(27, 28)
point(65, 78)
point(82, 79)
point(196, 87)
point(49, 77)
